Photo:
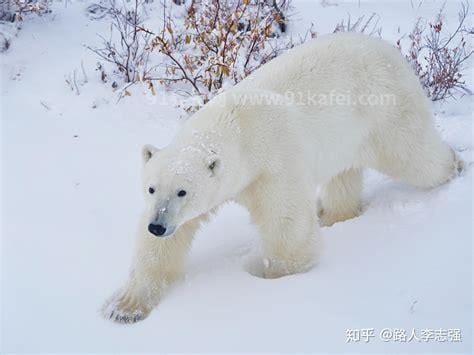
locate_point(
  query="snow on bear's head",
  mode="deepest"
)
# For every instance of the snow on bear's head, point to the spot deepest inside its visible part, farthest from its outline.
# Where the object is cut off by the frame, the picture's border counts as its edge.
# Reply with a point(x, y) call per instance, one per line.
point(188, 178)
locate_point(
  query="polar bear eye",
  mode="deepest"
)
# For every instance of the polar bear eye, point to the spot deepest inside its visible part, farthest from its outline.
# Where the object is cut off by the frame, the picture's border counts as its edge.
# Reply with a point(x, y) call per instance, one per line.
point(181, 193)
point(212, 166)
point(151, 190)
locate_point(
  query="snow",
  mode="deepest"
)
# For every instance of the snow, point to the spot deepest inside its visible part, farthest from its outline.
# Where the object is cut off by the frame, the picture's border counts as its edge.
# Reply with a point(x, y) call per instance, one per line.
point(71, 197)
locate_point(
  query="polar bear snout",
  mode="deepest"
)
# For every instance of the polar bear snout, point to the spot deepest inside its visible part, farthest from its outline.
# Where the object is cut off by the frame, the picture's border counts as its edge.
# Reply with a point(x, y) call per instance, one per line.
point(160, 230)
point(156, 229)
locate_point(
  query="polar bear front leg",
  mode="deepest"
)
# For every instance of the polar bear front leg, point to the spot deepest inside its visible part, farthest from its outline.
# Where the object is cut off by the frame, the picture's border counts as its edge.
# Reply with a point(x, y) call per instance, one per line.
point(157, 263)
point(287, 219)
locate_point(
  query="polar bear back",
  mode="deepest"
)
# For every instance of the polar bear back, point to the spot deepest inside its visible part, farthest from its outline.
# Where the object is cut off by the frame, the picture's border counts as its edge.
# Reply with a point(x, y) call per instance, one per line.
point(348, 58)
point(341, 63)
point(347, 63)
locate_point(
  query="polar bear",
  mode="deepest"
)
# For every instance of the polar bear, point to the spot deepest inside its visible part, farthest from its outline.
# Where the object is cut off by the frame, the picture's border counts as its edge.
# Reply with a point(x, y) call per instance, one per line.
point(312, 118)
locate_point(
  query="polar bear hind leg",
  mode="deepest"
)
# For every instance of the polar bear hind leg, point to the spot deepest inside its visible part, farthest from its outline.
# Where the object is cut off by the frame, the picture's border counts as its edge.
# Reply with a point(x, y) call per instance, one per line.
point(340, 197)
point(413, 155)
point(422, 160)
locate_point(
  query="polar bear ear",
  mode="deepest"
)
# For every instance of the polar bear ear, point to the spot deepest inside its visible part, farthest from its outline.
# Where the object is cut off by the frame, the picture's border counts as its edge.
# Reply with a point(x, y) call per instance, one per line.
point(148, 151)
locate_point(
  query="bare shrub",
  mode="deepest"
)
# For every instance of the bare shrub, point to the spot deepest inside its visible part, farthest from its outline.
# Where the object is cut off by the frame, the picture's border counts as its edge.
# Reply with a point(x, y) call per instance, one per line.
point(219, 43)
point(73, 82)
point(12, 12)
point(17, 10)
point(438, 57)
point(127, 46)
point(97, 11)
point(360, 25)
point(25, 7)
point(204, 45)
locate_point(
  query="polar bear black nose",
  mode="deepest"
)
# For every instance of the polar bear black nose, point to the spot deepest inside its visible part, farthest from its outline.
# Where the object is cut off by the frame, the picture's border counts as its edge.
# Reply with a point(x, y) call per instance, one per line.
point(156, 229)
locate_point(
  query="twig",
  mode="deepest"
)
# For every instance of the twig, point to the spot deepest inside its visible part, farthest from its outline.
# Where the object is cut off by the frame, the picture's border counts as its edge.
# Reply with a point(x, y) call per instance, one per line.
point(84, 72)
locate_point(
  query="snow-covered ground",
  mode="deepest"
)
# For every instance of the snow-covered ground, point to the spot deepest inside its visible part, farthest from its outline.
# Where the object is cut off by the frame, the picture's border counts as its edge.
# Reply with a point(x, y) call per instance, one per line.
point(71, 199)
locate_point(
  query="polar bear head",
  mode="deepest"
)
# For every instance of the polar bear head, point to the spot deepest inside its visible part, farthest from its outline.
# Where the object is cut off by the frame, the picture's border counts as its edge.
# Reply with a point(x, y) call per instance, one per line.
point(202, 168)
point(179, 185)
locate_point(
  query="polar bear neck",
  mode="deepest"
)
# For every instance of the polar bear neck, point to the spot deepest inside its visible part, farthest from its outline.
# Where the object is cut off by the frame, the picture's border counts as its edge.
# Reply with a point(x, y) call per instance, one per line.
point(216, 123)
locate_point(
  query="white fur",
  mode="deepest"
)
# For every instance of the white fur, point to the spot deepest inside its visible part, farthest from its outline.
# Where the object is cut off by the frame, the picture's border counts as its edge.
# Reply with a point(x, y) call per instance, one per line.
point(272, 157)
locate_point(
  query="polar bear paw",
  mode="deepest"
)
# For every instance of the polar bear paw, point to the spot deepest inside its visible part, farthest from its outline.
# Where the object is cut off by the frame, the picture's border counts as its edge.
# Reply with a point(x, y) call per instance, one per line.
point(271, 268)
point(275, 268)
point(327, 219)
point(124, 307)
